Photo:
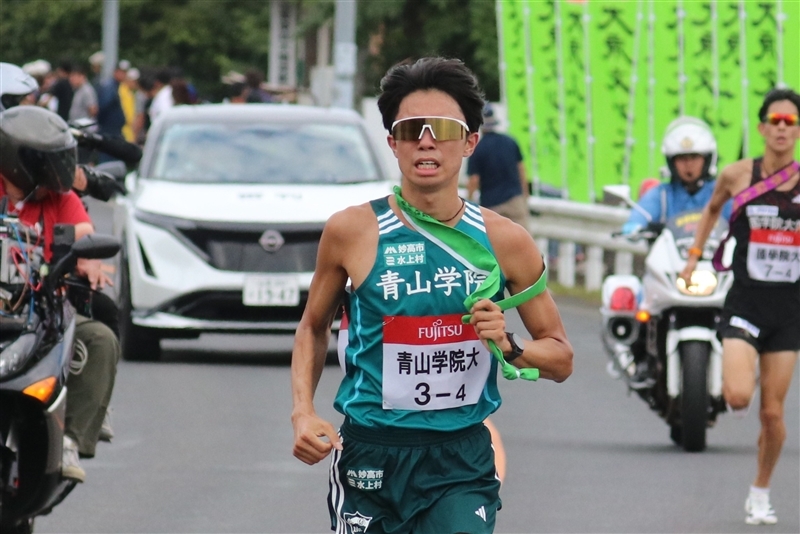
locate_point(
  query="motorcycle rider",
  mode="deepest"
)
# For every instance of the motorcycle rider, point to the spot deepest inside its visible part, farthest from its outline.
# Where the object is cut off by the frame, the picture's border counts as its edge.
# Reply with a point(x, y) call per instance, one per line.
point(15, 86)
point(691, 153)
point(38, 157)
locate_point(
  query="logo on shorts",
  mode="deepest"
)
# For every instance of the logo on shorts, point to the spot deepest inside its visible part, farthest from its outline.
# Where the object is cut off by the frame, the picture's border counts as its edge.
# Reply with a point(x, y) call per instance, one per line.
point(481, 512)
point(365, 479)
point(357, 523)
point(796, 200)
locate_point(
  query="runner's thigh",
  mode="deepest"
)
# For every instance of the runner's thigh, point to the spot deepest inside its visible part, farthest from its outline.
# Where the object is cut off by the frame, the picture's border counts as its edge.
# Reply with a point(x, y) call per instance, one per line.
point(739, 359)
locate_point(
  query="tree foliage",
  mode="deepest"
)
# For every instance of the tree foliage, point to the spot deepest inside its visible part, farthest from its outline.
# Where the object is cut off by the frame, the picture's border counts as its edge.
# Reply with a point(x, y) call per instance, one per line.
point(207, 38)
point(410, 29)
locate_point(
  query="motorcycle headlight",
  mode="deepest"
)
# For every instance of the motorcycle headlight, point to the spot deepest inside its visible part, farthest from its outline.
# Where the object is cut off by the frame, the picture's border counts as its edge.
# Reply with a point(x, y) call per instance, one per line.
point(703, 284)
point(14, 356)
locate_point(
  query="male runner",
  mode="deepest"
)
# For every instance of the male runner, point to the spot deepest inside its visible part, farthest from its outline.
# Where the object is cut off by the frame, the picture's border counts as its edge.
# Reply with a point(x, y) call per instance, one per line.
point(413, 454)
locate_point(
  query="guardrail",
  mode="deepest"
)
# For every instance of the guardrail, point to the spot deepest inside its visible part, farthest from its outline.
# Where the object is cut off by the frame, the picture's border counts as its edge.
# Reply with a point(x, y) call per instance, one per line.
point(590, 225)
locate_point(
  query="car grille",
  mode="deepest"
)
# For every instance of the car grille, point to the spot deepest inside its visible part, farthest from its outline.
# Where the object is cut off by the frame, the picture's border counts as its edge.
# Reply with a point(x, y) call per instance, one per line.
point(227, 306)
point(231, 247)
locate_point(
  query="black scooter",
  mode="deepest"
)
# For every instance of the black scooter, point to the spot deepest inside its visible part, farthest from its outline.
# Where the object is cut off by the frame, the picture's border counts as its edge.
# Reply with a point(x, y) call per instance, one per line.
point(36, 349)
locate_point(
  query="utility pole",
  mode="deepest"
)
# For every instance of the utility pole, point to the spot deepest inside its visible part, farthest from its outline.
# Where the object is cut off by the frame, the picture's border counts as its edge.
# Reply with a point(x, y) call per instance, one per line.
point(344, 53)
point(110, 38)
point(283, 44)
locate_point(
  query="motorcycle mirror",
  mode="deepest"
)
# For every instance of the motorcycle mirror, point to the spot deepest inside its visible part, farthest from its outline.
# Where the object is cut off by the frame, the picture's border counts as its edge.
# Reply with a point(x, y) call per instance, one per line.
point(620, 192)
point(623, 193)
point(95, 247)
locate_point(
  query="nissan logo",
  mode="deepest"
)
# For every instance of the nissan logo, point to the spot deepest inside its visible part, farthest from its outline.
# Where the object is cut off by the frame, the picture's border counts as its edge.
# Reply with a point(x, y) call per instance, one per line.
point(271, 240)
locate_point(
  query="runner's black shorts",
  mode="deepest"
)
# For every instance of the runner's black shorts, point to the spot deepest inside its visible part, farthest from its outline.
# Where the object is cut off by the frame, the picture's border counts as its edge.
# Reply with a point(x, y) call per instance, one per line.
point(399, 481)
point(766, 317)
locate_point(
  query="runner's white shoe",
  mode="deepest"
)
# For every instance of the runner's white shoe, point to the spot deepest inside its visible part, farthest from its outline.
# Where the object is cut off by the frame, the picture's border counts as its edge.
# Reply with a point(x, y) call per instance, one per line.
point(70, 464)
point(759, 511)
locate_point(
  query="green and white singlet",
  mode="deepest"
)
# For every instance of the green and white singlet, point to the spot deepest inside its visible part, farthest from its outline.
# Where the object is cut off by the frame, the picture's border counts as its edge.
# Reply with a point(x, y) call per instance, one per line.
point(410, 362)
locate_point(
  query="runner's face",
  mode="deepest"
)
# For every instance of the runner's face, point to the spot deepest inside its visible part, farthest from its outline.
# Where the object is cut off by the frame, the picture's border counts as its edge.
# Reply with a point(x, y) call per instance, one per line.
point(780, 137)
point(689, 167)
point(425, 161)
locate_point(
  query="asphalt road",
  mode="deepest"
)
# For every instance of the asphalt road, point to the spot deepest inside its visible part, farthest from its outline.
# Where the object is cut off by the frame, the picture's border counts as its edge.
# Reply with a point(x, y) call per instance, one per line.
point(203, 444)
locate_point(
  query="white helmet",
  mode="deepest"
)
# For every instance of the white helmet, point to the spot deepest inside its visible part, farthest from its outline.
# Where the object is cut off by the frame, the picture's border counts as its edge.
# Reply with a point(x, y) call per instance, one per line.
point(15, 85)
point(690, 135)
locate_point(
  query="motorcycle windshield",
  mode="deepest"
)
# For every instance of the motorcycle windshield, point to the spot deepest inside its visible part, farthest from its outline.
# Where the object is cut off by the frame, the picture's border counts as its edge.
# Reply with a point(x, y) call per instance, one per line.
point(683, 227)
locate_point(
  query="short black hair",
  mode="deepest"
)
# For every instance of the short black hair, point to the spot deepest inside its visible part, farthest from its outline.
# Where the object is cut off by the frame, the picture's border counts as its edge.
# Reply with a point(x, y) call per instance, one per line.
point(450, 76)
point(65, 64)
point(777, 95)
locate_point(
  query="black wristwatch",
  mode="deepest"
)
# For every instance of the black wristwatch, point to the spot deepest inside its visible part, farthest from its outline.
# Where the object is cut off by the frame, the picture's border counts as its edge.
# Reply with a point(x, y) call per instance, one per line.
point(517, 345)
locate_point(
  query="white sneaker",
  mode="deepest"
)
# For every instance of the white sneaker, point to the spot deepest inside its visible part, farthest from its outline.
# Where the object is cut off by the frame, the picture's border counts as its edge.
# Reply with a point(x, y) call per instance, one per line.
point(106, 431)
point(759, 511)
point(70, 463)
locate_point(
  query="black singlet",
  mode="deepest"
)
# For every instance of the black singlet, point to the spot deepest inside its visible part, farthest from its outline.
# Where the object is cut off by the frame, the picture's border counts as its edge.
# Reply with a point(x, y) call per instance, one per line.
point(771, 219)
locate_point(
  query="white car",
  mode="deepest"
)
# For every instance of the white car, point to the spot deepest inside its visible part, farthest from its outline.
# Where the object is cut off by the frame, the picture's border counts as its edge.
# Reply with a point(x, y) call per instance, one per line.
point(224, 215)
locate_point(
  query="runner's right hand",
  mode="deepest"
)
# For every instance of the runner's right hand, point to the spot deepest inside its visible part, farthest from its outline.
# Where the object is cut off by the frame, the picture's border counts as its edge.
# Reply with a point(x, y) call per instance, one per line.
point(309, 445)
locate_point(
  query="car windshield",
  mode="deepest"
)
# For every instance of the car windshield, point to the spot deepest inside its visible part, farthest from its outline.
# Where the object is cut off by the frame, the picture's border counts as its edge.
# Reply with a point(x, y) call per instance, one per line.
point(264, 154)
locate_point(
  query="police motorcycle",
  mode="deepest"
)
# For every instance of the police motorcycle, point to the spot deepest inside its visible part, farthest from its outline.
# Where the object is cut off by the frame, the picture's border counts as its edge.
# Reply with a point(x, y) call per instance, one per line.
point(36, 352)
point(669, 328)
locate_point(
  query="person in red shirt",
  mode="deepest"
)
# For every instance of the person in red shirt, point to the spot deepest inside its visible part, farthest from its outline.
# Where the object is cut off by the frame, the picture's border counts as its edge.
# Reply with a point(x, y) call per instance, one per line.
point(38, 156)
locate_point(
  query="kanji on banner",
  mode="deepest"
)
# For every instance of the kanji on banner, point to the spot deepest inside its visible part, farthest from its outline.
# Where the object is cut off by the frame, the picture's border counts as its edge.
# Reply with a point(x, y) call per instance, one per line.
point(591, 87)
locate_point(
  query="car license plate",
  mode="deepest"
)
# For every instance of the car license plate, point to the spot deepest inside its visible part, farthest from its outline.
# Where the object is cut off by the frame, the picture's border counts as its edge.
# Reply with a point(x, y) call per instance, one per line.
point(271, 290)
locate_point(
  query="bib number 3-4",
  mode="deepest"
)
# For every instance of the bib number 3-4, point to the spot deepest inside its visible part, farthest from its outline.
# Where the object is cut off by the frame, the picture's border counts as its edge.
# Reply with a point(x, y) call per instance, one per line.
point(432, 363)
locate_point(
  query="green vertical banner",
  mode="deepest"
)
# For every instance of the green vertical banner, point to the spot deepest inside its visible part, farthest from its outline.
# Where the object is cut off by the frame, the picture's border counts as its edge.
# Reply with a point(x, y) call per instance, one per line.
point(762, 58)
point(510, 15)
point(711, 59)
point(611, 36)
point(545, 90)
point(665, 89)
point(575, 100)
point(698, 62)
point(728, 130)
point(791, 49)
point(640, 161)
point(762, 65)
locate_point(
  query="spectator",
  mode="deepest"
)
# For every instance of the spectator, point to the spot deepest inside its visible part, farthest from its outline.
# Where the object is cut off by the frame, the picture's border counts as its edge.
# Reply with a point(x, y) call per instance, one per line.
point(148, 88)
point(497, 169)
point(110, 115)
point(256, 95)
point(84, 104)
point(163, 97)
point(61, 90)
point(180, 92)
point(84, 98)
point(128, 93)
point(96, 63)
point(237, 93)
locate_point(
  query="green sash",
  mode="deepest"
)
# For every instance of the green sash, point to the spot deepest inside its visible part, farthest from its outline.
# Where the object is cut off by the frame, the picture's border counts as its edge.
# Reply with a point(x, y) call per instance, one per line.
point(475, 256)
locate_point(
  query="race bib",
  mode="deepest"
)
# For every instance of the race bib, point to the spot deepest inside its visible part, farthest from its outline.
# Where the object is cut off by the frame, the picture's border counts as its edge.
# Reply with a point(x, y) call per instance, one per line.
point(774, 256)
point(432, 363)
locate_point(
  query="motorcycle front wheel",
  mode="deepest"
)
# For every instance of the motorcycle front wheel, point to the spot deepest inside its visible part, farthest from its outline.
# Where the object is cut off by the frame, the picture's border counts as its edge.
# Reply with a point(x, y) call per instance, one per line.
point(694, 394)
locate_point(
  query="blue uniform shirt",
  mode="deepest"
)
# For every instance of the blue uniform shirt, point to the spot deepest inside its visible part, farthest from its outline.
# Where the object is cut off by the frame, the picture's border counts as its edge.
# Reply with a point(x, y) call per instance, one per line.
point(678, 200)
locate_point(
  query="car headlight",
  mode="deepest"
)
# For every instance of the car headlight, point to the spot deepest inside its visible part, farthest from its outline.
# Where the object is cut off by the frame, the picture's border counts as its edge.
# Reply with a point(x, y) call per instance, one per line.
point(703, 284)
point(14, 356)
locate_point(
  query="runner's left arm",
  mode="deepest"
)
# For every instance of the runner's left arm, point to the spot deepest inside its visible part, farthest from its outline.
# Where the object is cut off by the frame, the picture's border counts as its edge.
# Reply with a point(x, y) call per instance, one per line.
point(521, 262)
